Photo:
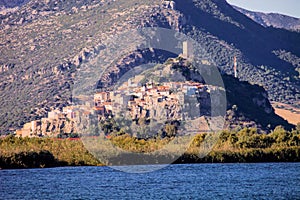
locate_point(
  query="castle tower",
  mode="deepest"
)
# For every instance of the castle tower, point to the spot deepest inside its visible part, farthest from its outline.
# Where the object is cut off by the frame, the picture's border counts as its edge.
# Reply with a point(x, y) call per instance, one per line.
point(235, 66)
point(187, 50)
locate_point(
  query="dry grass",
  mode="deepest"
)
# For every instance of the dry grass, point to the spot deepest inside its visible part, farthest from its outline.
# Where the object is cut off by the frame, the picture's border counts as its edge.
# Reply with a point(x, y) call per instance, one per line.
point(286, 112)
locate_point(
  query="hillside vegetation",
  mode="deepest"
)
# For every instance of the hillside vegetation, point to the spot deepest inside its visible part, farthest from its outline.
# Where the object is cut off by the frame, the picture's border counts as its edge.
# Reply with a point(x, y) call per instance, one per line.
point(244, 145)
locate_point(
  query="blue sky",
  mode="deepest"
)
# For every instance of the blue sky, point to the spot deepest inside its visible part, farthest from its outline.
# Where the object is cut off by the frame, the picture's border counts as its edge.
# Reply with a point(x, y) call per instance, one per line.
point(287, 7)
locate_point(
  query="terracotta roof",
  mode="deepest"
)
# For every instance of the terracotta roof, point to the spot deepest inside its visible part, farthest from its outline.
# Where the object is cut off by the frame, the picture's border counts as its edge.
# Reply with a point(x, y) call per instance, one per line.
point(102, 93)
point(99, 108)
point(86, 113)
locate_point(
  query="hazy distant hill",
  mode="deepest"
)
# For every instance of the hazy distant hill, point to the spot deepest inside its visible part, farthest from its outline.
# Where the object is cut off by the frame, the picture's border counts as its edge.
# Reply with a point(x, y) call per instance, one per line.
point(43, 44)
point(12, 3)
point(272, 19)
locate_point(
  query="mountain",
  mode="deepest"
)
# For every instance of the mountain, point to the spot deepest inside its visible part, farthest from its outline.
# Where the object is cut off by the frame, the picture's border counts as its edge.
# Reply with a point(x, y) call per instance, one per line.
point(44, 43)
point(272, 19)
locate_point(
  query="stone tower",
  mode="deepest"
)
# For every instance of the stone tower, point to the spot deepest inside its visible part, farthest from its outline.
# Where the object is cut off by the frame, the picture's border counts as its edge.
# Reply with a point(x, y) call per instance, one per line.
point(187, 50)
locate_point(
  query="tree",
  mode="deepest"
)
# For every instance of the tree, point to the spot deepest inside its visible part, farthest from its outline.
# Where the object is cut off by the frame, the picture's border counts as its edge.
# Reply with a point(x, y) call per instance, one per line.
point(142, 121)
point(298, 126)
point(170, 130)
point(280, 134)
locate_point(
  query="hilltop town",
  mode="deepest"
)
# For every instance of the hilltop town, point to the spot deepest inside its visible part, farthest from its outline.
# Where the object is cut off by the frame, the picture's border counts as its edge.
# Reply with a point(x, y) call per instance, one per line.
point(165, 101)
point(138, 98)
point(158, 101)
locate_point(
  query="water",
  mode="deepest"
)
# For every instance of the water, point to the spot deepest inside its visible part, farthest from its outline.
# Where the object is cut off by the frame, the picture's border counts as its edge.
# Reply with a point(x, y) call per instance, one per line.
point(190, 181)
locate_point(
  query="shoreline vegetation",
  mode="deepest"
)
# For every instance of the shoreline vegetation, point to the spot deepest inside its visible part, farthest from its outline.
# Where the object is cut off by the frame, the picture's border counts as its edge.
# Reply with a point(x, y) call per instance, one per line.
point(242, 146)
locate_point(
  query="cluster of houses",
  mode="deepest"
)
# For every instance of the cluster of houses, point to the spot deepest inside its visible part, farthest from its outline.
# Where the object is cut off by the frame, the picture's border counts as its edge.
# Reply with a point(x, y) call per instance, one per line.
point(55, 123)
point(164, 101)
